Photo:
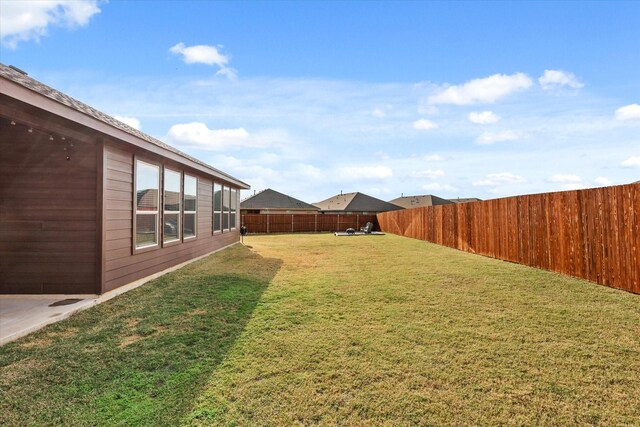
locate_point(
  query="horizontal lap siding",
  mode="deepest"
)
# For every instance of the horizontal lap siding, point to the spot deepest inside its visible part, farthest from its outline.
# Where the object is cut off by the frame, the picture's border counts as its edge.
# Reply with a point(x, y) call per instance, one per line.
point(47, 213)
point(592, 234)
point(122, 266)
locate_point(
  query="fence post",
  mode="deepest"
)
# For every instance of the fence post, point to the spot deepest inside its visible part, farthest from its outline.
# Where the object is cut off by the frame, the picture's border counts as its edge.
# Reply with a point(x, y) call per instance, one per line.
point(357, 221)
point(315, 224)
point(267, 223)
point(292, 223)
point(338, 226)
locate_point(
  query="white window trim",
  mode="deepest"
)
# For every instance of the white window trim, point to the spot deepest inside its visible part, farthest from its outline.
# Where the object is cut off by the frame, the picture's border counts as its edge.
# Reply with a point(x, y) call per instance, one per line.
point(156, 212)
point(195, 213)
point(233, 210)
point(178, 212)
point(213, 219)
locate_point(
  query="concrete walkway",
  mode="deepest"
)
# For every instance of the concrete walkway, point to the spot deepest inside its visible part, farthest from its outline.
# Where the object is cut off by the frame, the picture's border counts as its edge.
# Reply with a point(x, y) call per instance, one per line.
point(22, 314)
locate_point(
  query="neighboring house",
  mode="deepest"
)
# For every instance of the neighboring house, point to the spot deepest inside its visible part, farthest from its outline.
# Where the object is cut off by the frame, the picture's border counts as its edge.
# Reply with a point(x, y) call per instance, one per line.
point(273, 202)
point(409, 202)
point(355, 203)
point(89, 204)
point(465, 200)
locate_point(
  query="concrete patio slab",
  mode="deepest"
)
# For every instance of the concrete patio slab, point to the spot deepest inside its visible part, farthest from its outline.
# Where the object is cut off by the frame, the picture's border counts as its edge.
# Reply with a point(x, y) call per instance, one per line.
point(22, 314)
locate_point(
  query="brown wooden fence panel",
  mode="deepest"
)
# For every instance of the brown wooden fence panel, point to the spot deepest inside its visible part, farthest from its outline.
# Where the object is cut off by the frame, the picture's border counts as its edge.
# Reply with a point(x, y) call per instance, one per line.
point(305, 223)
point(593, 234)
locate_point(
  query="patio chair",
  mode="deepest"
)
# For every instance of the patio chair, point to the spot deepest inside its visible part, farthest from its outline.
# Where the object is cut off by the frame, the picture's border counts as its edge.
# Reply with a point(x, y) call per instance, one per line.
point(367, 229)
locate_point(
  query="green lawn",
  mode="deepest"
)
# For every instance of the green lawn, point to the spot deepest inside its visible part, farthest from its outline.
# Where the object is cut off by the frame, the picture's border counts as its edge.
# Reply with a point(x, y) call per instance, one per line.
point(315, 329)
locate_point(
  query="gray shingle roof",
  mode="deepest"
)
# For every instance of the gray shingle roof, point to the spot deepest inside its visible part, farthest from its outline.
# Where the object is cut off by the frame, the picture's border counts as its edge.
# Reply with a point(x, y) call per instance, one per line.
point(271, 199)
point(22, 79)
point(355, 202)
point(409, 202)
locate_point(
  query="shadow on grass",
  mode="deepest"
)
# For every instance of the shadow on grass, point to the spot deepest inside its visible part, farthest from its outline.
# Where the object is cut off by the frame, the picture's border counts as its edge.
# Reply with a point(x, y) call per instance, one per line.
point(141, 358)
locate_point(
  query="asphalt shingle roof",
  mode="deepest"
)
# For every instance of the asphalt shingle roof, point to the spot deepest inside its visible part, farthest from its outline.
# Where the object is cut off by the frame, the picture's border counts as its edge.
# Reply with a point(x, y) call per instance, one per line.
point(355, 202)
point(271, 199)
point(409, 202)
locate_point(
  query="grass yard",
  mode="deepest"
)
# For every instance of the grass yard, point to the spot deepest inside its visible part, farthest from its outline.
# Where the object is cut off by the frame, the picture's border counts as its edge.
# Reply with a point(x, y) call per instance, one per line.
point(315, 329)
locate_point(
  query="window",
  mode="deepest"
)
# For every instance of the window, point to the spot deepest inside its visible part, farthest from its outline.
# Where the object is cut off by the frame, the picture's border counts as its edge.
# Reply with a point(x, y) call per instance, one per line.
point(217, 207)
point(147, 195)
point(225, 207)
point(190, 206)
point(234, 208)
point(172, 202)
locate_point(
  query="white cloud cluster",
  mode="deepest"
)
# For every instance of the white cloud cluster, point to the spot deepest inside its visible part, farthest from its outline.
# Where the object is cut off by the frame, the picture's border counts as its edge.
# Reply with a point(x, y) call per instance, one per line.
point(436, 186)
point(493, 137)
point(564, 178)
point(483, 118)
point(431, 174)
point(632, 162)
point(22, 20)
point(352, 173)
point(486, 90)
point(601, 180)
point(628, 112)
point(424, 124)
point(495, 179)
point(553, 79)
point(198, 135)
point(433, 158)
point(379, 113)
point(204, 54)
point(131, 121)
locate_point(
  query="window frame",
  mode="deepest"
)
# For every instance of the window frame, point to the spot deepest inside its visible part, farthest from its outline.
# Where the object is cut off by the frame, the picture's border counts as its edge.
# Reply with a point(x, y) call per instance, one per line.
point(214, 211)
point(134, 244)
point(185, 212)
point(166, 243)
point(233, 208)
point(226, 213)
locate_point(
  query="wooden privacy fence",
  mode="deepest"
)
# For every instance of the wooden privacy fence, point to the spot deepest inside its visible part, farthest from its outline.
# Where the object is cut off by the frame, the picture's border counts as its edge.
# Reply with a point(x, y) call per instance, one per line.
point(301, 223)
point(592, 234)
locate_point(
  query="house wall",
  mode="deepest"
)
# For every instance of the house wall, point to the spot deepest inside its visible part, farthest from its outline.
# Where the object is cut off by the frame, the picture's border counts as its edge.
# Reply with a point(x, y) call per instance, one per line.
point(47, 212)
point(122, 263)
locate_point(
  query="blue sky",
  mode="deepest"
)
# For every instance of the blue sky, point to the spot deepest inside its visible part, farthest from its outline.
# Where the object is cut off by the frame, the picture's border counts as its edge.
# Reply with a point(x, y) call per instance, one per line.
point(457, 99)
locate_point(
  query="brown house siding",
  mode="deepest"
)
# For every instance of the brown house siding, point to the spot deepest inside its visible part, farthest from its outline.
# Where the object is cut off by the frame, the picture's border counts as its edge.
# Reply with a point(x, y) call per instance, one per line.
point(122, 265)
point(47, 213)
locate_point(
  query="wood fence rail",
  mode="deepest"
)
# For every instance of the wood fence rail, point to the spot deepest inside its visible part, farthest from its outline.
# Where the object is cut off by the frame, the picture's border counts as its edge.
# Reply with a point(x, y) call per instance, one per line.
point(304, 223)
point(593, 234)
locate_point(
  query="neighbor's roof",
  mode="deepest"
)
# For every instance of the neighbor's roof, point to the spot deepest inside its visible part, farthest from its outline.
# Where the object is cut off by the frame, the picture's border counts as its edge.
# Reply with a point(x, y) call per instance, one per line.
point(14, 75)
point(465, 200)
point(271, 199)
point(409, 202)
point(355, 202)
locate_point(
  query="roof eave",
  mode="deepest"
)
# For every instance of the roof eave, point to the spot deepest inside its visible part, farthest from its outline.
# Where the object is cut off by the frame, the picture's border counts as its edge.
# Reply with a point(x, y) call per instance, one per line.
point(31, 97)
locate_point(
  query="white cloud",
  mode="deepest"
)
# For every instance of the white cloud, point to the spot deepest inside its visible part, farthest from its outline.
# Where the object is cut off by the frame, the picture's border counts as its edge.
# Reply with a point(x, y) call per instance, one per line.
point(564, 178)
point(424, 124)
point(552, 79)
point(131, 121)
point(228, 72)
point(433, 158)
point(495, 179)
point(573, 186)
point(601, 180)
point(493, 137)
point(379, 113)
point(29, 20)
point(208, 55)
point(632, 162)
point(431, 174)
point(486, 90)
point(435, 186)
point(483, 118)
point(198, 135)
point(628, 112)
point(364, 172)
